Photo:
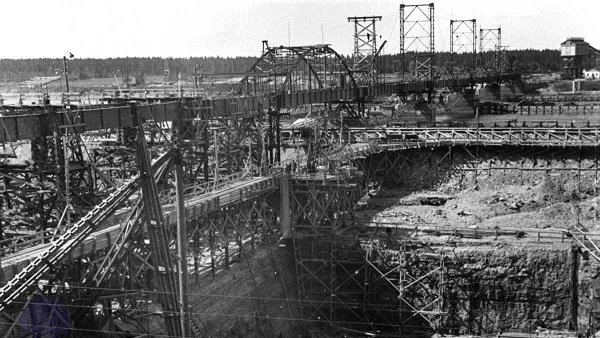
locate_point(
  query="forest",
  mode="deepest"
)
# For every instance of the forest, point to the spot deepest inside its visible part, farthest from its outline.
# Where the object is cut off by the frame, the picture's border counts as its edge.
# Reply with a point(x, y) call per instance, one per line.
point(529, 60)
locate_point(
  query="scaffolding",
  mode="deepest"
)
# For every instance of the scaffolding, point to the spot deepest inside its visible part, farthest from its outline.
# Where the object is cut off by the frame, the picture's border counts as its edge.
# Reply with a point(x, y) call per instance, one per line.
point(327, 276)
point(369, 281)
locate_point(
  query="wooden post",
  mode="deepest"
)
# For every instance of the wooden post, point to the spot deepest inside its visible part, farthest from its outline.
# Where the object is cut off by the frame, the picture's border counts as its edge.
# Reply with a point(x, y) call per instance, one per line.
point(574, 286)
point(182, 247)
point(161, 260)
point(226, 243)
point(284, 191)
point(181, 233)
point(211, 240)
point(196, 259)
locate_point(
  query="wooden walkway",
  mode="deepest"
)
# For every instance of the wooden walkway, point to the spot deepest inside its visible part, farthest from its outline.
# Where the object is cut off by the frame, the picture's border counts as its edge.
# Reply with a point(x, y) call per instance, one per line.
point(198, 202)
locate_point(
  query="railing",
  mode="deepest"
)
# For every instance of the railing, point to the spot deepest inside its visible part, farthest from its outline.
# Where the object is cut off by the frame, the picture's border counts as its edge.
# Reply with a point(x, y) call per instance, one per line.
point(561, 98)
point(365, 142)
point(548, 136)
point(556, 110)
point(486, 136)
point(215, 184)
point(274, 170)
point(150, 93)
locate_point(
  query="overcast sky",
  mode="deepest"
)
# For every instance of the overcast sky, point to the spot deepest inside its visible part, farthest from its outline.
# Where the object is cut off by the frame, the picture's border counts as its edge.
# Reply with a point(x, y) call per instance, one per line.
point(183, 28)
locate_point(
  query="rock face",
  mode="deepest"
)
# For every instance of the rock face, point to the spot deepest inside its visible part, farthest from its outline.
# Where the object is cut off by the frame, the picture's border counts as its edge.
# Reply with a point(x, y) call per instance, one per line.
point(486, 288)
point(492, 285)
point(254, 298)
point(510, 289)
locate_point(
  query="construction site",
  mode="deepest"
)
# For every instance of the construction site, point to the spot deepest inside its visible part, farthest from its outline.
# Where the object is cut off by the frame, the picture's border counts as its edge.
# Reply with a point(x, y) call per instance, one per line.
point(322, 197)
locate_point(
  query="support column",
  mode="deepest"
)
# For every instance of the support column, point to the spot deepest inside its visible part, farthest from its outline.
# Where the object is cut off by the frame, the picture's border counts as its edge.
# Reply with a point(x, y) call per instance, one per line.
point(574, 287)
point(181, 229)
point(271, 138)
point(159, 237)
point(182, 246)
point(278, 135)
point(284, 217)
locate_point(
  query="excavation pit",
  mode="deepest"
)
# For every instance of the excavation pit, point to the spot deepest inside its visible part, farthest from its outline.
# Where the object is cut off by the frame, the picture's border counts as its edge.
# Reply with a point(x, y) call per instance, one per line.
point(499, 254)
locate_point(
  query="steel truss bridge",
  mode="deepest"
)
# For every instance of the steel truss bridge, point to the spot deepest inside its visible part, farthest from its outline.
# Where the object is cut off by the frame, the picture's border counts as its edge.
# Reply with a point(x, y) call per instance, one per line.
point(110, 191)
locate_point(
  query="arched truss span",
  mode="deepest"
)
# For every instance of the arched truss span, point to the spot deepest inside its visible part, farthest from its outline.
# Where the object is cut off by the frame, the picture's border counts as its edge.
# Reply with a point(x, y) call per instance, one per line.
point(283, 70)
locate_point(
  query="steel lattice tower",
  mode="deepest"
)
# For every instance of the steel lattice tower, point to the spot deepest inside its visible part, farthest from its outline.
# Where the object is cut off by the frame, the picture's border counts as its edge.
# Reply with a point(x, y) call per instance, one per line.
point(365, 48)
point(417, 38)
point(490, 40)
point(463, 38)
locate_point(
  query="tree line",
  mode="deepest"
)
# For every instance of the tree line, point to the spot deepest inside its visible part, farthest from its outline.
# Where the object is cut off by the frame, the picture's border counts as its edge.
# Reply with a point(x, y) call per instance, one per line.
point(23, 69)
point(528, 60)
point(525, 61)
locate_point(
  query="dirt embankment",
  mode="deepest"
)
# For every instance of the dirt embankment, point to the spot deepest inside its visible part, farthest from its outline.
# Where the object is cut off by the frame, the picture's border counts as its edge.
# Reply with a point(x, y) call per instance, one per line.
point(546, 203)
point(452, 188)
